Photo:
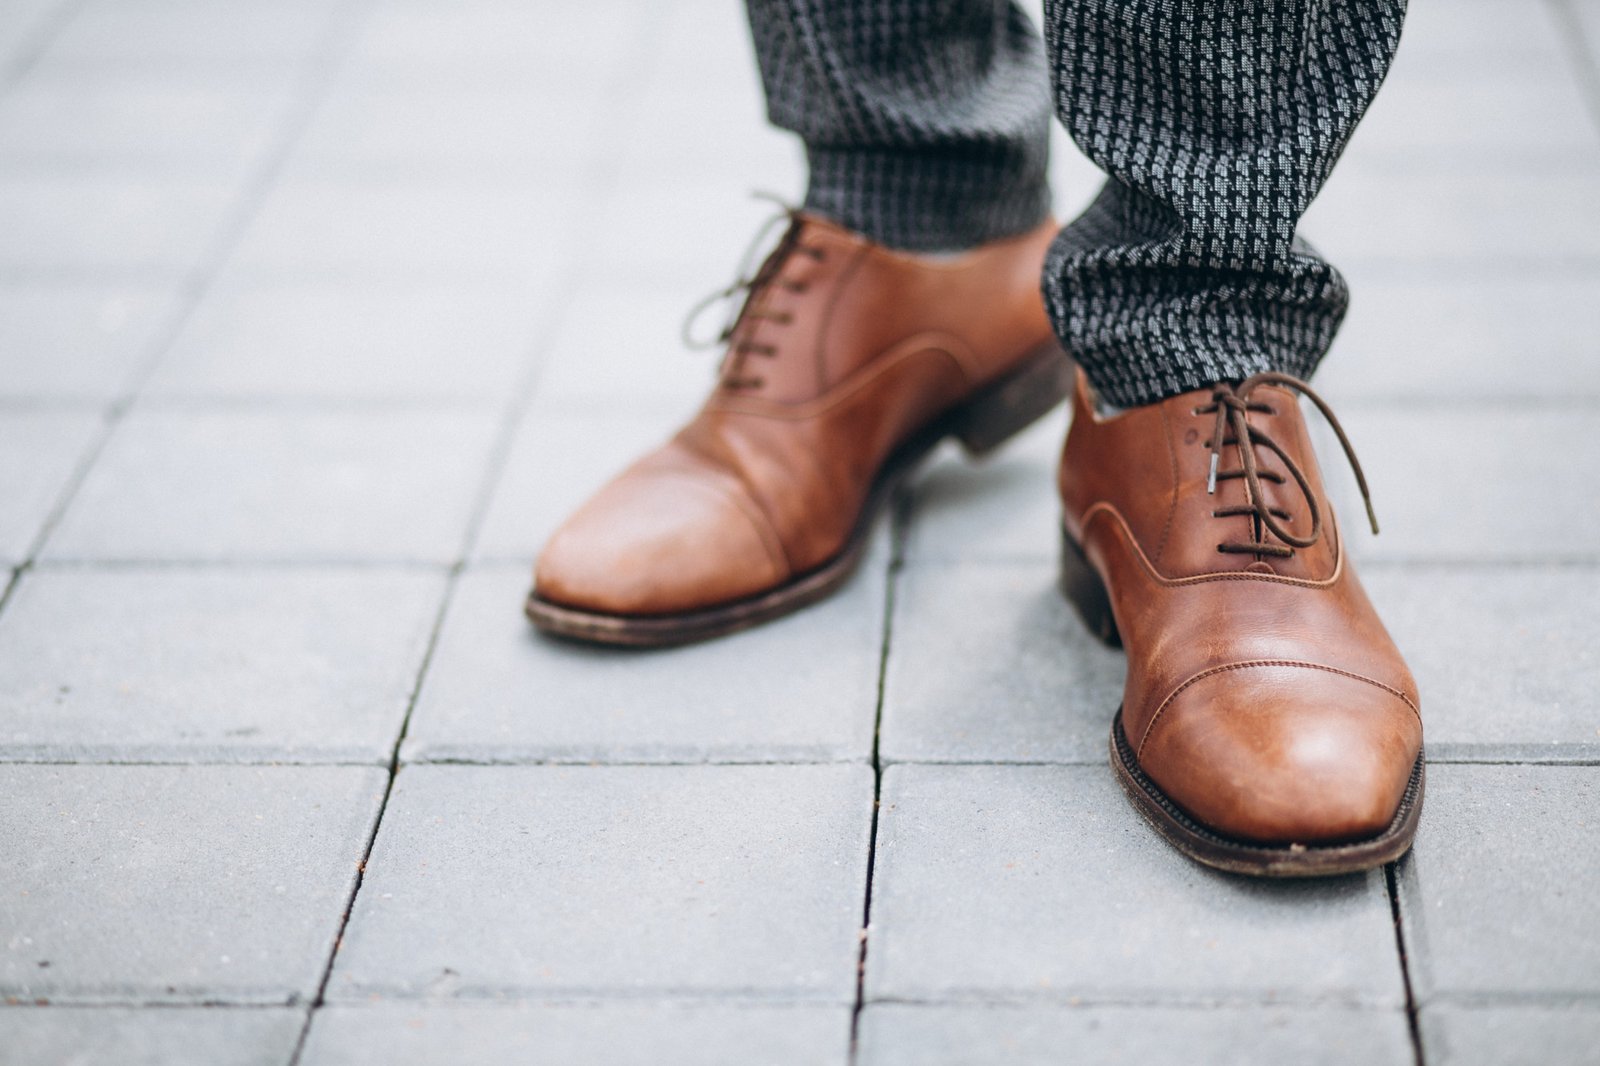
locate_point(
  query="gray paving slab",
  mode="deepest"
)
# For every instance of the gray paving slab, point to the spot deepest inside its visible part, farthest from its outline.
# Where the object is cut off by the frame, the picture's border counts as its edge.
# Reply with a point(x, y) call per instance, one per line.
point(701, 34)
point(1487, 116)
point(621, 346)
point(557, 461)
point(496, 44)
point(21, 23)
point(111, 35)
point(1482, 30)
point(613, 1034)
point(1497, 897)
point(125, 1036)
point(723, 106)
point(212, 665)
point(1588, 20)
point(895, 1034)
point(1509, 1035)
point(73, 223)
point(574, 882)
point(174, 884)
point(1017, 883)
point(435, 343)
point(431, 207)
point(251, 485)
point(690, 229)
point(802, 689)
point(155, 122)
point(76, 342)
point(447, 134)
point(39, 451)
point(1435, 340)
point(988, 663)
point(1006, 507)
point(1504, 656)
point(1074, 180)
point(506, 235)
point(1488, 221)
point(1470, 484)
point(702, 90)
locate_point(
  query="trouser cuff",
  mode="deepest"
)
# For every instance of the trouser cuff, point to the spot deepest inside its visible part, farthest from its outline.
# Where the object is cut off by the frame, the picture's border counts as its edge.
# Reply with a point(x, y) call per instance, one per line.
point(920, 201)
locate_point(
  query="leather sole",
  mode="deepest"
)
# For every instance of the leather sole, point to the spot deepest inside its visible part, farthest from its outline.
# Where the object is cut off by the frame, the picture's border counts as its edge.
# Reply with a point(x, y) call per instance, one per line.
point(981, 424)
point(1087, 593)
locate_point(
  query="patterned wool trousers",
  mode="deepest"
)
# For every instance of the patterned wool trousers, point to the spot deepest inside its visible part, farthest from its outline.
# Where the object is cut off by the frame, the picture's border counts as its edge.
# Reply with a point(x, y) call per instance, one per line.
point(1216, 121)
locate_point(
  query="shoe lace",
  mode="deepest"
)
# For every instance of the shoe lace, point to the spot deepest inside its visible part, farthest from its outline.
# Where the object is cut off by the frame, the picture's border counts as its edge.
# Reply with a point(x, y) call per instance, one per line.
point(1233, 405)
point(742, 296)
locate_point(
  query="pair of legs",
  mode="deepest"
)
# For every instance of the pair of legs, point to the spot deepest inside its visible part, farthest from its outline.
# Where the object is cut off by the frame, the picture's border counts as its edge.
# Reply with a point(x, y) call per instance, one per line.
point(1217, 121)
point(1269, 725)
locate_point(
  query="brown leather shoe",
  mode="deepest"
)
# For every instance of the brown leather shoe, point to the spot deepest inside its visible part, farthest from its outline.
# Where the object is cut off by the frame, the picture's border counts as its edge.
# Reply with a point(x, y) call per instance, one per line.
point(847, 363)
point(1268, 726)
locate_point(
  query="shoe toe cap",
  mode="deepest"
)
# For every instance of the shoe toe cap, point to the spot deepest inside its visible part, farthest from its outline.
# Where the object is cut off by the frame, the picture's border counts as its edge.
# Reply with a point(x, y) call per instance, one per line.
point(1285, 753)
point(659, 543)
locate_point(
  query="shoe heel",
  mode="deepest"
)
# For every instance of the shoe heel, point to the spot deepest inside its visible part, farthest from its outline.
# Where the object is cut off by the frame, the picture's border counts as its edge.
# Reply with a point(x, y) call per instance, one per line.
point(1087, 593)
point(1015, 402)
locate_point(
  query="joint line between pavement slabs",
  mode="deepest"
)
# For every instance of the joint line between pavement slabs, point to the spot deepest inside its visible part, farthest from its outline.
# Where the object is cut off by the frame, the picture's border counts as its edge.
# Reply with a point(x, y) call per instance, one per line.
point(516, 409)
point(25, 58)
point(488, 481)
point(1583, 54)
point(312, 83)
point(899, 515)
point(1391, 883)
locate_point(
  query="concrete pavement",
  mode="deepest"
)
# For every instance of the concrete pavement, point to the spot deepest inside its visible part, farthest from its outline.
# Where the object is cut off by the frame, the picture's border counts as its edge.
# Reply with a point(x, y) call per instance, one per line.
point(314, 318)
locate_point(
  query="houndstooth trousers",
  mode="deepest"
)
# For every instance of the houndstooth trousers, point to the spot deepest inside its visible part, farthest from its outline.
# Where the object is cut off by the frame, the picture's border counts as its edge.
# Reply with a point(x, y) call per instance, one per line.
point(1216, 121)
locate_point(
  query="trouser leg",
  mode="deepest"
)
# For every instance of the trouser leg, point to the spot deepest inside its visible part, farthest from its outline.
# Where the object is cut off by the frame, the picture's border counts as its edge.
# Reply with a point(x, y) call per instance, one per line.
point(925, 121)
point(1217, 122)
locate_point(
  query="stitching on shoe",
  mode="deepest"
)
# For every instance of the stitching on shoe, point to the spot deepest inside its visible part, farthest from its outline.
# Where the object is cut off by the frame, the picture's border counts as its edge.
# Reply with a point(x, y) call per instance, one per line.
point(1126, 531)
point(946, 345)
point(819, 356)
point(1172, 510)
point(1254, 663)
point(1129, 760)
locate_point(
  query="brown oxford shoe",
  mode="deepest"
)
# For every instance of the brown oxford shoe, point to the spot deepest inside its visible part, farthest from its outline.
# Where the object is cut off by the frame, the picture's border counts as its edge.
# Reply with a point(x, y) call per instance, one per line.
point(1269, 726)
point(846, 364)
